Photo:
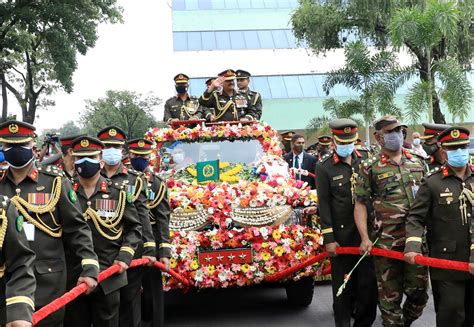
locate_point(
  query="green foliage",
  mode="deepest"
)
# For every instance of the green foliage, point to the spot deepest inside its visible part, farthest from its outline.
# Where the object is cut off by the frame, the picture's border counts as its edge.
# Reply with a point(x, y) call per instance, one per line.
point(128, 110)
point(39, 41)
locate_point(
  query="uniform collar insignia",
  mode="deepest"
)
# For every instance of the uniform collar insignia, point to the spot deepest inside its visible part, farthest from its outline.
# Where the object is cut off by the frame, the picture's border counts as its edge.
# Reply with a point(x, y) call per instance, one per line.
point(335, 157)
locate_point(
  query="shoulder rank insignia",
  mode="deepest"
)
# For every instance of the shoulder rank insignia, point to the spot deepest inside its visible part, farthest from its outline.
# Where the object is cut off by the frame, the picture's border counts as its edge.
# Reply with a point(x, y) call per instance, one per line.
point(19, 223)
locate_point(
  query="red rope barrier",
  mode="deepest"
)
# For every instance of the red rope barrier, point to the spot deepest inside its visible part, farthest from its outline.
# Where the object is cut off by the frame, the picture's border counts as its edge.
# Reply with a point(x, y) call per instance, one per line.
point(82, 288)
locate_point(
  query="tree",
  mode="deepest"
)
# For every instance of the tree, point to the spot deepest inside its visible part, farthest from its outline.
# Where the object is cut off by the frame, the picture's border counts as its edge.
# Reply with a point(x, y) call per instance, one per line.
point(424, 29)
point(326, 25)
point(39, 41)
point(67, 129)
point(128, 110)
point(363, 72)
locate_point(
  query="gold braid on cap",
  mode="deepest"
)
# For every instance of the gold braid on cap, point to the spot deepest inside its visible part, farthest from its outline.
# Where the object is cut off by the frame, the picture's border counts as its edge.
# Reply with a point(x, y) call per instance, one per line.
point(106, 222)
point(3, 232)
point(24, 207)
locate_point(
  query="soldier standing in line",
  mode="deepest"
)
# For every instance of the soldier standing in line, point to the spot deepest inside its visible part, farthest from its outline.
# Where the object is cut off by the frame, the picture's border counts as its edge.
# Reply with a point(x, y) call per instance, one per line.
point(436, 155)
point(229, 105)
point(115, 227)
point(53, 218)
point(389, 180)
point(135, 186)
point(444, 207)
point(243, 81)
point(159, 211)
point(182, 106)
point(337, 176)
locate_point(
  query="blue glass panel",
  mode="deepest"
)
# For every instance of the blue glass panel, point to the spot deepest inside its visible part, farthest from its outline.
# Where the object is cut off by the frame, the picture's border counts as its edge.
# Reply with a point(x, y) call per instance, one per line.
point(308, 87)
point(223, 40)
point(251, 40)
point(209, 41)
point(231, 4)
point(237, 40)
point(266, 39)
point(180, 41)
point(197, 86)
point(291, 39)
point(218, 4)
point(277, 87)
point(205, 4)
point(245, 4)
point(293, 86)
point(179, 5)
point(318, 83)
point(258, 4)
point(284, 4)
point(194, 41)
point(260, 84)
point(271, 4)
point(192, 4)
point(279, 36)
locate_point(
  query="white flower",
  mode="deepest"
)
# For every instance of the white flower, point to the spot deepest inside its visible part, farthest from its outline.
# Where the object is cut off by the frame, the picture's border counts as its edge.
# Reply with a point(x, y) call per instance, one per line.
point(199, 275)
point(230, 234)
point(264, 231)
point(222, 276)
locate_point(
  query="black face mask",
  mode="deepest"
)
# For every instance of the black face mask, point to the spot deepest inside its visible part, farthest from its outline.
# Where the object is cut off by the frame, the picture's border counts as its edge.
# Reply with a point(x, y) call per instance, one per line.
point(430, 149)
point(181, 89)
point(87, 167)
point(18, 156)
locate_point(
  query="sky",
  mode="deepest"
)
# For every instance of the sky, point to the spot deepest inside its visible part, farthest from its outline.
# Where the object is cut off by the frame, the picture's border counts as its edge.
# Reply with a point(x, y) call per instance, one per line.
point(127, 56)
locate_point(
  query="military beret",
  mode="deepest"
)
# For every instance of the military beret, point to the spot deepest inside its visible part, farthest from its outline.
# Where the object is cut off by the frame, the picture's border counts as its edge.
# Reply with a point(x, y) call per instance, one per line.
point(241, 74)
point(432, 130)
point(139, 146)
point(112, 135)
point(229, 74)
point(386, 121)
point(181, 79)
point(86, 146)
point(14, 131)
point(324, 140)
point(454, 136)
point(344, 130)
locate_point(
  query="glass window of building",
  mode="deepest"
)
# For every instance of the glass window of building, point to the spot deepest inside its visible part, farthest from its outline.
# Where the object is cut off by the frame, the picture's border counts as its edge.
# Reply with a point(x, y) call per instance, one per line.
point(266, 39)
point(223, 40)
point(237, 40)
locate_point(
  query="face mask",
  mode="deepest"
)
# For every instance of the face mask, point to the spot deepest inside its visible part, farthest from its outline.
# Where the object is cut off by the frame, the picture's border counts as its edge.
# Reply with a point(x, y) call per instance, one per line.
point(298, 148)
point(393, 141)
point(166, 160)
point(112, 156)
point(430, 149)
point(87, 167)
point(458, 158)
point(18, 156)
point(181, 89)
point(139, 163)
point(344, 150)
point(178, 157)
point(416, 141)
point(4, 167)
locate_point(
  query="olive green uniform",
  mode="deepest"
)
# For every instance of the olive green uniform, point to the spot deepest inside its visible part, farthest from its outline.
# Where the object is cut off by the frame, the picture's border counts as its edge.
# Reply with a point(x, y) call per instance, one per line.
point(176, 108)
point(228, 108)
point(159, 214)
point(46, 201)
point(17, 280)
point(107, 206)
point(256, 100)
point(335, 184)
point(134, 184)
point(392, 187)
point(449, 236)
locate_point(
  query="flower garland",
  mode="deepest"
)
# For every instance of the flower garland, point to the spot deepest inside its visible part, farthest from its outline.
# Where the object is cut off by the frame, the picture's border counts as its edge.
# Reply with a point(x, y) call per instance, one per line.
point(274, 248)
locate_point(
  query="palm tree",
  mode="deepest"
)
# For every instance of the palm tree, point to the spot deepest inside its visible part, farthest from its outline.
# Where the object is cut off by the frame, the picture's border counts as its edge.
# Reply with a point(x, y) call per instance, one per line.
point(424, 28)
point(362, 73)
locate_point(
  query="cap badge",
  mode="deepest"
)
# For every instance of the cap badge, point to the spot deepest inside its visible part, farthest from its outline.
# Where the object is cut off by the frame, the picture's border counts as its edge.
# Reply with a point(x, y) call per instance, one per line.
point(112, 132)
point(455, 133)
point(13, 128)
point(347, 130)
point(141, 143)
point(84, 143)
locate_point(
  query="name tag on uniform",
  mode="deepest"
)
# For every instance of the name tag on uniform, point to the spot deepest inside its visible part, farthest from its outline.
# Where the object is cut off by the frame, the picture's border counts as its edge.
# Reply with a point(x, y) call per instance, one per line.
point(416, 169)
point(445, 195)
point(336, 178)
point(385, 175)
point(29, 231)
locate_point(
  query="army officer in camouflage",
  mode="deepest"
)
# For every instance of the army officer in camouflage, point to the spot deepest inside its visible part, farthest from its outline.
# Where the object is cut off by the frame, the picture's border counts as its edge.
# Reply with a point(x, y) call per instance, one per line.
point(390, 181)
point(53, 218)
point(444, 206)
point(336, 179)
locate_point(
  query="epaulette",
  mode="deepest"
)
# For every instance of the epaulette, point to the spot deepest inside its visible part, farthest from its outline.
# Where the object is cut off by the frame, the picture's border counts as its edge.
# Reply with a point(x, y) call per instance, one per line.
point(433, 171)
point(115, 185)
point(51, 170)
point(369, 162)
point(134, 172)
point(326, 157)
point(416, 154)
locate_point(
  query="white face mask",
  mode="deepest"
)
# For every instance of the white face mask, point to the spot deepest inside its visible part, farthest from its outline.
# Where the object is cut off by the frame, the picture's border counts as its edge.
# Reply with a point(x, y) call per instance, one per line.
point(416, 141)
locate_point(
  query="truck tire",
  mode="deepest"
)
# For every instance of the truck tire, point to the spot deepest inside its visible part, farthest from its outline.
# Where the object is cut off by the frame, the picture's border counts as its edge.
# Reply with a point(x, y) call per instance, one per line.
point(300, 293)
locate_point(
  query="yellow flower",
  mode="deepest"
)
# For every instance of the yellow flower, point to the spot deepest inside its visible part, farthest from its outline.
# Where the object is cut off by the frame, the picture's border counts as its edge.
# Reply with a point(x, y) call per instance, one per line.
point(173, 263)
point(271, 270)
point(264, 245)
point(245, 267)
point(266, 256)
point(192, 171)
point(276, 234)
point(211, 269)
point(223, 165)
point(194, 265)
point(278, 251)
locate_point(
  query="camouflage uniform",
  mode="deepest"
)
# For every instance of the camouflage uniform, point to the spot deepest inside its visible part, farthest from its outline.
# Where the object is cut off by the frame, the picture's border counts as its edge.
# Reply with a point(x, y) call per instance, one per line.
point(391, 189)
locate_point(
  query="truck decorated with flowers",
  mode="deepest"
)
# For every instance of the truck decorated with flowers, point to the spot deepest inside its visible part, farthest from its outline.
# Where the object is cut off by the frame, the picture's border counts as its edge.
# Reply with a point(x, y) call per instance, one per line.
point(247, 223)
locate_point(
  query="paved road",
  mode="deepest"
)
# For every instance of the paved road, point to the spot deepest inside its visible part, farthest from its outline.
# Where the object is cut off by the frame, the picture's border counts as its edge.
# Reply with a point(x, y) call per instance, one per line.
point(258, 307)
